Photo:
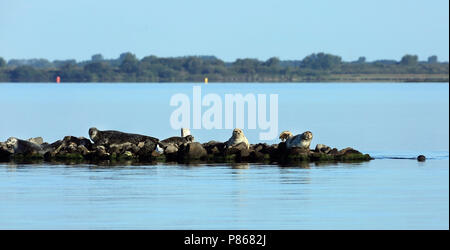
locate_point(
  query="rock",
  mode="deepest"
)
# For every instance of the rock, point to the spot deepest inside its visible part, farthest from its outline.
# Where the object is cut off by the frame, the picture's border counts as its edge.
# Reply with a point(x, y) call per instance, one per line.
point(299, 151)
point(193, 150)
point(127, 155)
point(5, 153)
point(334, 151)
point(171, 149)
point(69, 147)
point(257, 156)
point(240, 151)
point(82, 150)
point(37, 140)
point(145, 152)
point(121, 148)
point(78, 141)
point(348, 150)
point(100, 152)
point(261, 147)
point(421, 158)
point(282, 148)
point(214, 147)
point(117, 137)
point(321, 148)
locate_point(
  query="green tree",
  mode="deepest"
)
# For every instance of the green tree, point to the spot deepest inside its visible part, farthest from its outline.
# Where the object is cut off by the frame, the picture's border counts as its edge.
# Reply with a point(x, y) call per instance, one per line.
point(128, 63)
point(2, 62)
point(96, 67)
point(433, 59)
point(321, 61)
point(409, 60)
point(272, 62)
point(97, 58)
point(193, 65)
point(27, 74)
point(361, 59)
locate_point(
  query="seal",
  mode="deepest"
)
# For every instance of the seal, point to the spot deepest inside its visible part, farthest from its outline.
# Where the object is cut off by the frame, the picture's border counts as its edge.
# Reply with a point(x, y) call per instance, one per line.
point(116, 137)
point(297, 141)
point(421, 158)
point(177, 141)
point(237, 137)
point(18, 146)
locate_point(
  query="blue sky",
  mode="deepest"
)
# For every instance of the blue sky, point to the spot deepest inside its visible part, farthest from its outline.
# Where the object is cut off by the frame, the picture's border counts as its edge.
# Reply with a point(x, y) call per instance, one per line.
point(56, 29)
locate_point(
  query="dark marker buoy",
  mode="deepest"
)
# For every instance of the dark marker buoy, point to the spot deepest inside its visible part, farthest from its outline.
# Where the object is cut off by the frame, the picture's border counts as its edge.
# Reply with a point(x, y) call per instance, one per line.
point(421, 158)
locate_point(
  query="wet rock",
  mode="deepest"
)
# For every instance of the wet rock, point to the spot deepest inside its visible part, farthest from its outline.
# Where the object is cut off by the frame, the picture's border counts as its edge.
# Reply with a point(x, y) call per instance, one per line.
point(5, 153)
point(321, 148)
point(171, 149)
point(37, 140)
point(100, 152)
point(82, 150)
point(334, 151)
point(192, 151)
point(239, 152)
point(69, 147)
point(146, 149)
point(214, 147)
point(261, 147)
point(257, 156)
point(348, 150)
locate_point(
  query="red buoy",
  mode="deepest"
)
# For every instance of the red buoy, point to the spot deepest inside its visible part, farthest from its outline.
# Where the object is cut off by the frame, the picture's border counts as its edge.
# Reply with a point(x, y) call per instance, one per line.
point(58, 79)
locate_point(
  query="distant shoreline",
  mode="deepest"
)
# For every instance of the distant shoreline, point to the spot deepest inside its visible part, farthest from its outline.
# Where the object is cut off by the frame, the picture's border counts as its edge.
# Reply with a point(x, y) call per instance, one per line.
point(318, 67)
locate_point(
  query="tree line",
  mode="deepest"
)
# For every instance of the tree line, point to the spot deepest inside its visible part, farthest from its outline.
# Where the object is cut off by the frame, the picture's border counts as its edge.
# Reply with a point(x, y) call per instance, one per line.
point(128, 68)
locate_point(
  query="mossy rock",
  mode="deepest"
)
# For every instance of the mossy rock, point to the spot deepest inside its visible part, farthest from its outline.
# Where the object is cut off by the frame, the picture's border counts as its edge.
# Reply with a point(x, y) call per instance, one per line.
point(126, 156)
point(159, 158)
point(69, 156)
point(298, 157)
point(321, 157)
point(354, 157)
point(27, 158)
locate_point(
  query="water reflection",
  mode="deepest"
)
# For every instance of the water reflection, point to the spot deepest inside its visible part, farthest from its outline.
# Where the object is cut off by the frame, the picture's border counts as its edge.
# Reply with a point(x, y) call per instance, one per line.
point(240, 165)
point(292, 176)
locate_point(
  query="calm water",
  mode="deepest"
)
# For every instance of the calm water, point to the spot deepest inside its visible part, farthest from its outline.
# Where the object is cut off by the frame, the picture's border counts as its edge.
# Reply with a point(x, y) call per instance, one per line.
point(385, 120)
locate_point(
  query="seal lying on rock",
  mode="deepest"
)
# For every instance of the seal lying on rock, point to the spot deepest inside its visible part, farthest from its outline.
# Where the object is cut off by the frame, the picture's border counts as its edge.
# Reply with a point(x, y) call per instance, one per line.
point(171, 145)
point(237, 137)
point(18, 146)
point(297, 141)
point(321, 148)
point(116, 137)
point(176, 140)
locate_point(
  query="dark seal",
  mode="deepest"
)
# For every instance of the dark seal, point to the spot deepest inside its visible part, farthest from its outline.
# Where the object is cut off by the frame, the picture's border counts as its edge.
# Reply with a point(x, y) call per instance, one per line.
point(177, 140)
point(421, 158)
point(109, 137)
